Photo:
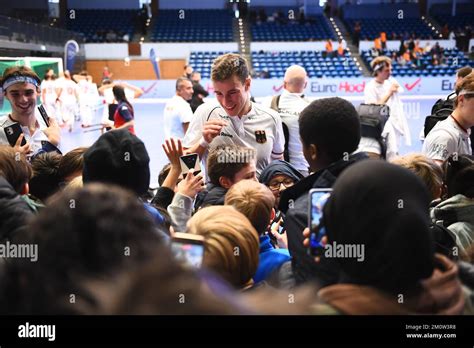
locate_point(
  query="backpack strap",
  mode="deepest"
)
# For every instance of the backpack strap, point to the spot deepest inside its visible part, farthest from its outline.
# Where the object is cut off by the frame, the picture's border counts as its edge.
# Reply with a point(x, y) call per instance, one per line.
point(286, 133)
point(275, 102)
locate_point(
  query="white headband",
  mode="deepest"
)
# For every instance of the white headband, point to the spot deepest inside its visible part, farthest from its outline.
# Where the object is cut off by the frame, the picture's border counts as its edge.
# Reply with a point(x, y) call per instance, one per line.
point(464, 92)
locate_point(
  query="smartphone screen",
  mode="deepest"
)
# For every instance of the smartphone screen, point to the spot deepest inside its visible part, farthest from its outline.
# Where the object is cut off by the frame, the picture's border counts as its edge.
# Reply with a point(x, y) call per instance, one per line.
point(189, 253)
point(318, 198)
point(189, 162)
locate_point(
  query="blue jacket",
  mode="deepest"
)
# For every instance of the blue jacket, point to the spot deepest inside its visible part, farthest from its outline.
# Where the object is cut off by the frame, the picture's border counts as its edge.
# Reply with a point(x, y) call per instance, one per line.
point(270, 259)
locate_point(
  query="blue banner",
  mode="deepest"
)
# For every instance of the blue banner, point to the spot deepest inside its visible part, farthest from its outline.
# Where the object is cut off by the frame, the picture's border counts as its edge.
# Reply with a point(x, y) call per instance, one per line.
point(155, 64)
point(70, 51)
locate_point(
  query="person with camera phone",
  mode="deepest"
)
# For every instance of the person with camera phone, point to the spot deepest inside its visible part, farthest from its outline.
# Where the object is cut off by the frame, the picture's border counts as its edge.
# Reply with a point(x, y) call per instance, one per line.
point(188, 248)
point(22, 129)
point(317, 199)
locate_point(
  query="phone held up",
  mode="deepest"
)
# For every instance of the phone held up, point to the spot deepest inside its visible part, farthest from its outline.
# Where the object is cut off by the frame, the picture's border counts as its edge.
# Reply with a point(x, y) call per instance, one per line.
point(188, 162)
point(188, 248)
point(13, 132)
point(317, 198)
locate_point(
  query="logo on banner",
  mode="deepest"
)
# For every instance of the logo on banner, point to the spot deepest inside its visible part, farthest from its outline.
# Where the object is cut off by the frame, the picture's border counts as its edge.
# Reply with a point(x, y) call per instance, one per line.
point(413, 85)
point(317, 87)
point(71, 48)
point(447, 85)
point(277, 89)
point(352, 87)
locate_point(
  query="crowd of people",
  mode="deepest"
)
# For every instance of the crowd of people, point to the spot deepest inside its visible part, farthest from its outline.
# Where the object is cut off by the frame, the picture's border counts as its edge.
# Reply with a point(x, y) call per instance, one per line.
point(103, 242)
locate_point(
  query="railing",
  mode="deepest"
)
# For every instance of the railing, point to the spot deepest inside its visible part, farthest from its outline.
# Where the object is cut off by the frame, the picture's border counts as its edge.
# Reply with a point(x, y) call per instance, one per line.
point(15, 29)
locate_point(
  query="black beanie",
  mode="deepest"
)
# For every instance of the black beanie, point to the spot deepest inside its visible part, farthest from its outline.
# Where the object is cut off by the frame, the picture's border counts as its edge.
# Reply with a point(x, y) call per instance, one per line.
point(120, 158)
point(383, 207)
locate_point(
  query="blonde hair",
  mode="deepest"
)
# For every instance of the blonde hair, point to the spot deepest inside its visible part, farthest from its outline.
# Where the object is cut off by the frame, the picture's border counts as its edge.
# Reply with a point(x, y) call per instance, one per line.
point(254, 200)
point(423, 167)
point(231, 244)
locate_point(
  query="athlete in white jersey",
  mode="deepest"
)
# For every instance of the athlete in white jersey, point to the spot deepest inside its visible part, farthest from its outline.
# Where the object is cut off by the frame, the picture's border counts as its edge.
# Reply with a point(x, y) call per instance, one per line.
point(384, 89)
point(68, 97)
point(88, 97)
point(48, 93)
point(234, 119)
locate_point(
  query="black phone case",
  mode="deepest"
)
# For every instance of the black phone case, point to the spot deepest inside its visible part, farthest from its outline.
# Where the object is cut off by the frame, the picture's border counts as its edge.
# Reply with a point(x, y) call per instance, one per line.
point(44, 114)
point(13, 132)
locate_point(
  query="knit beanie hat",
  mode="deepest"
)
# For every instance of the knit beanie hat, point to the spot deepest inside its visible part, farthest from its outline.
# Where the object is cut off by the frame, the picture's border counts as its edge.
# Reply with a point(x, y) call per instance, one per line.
point(118, 157)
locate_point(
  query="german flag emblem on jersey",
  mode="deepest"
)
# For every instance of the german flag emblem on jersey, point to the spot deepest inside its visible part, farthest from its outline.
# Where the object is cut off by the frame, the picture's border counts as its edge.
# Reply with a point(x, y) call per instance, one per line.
point(260, 137)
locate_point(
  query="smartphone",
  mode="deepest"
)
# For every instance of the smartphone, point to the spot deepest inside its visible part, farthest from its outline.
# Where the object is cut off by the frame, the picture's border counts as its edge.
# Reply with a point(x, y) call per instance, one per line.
point(188, 248)
point(13, 132)
point(189, 162)
point(44, 115)
point(281, 228)
point(46, 146)
point(317, 199)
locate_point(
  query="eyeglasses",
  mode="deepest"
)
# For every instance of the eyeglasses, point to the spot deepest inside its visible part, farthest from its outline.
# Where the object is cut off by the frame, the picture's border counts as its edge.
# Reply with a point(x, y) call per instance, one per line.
point(275, 185)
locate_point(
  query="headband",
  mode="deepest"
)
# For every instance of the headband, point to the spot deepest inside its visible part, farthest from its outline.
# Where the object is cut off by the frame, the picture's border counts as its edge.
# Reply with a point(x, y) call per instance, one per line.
point(464, 92)
point(19, 79)
point(379, 66)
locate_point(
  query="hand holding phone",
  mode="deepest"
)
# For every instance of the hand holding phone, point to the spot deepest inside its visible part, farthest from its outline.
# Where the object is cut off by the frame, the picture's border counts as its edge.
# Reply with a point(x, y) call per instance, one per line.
point(317, 198)
point(13, 132)
point(189, 162)
point(188, 248)
point(44, 115)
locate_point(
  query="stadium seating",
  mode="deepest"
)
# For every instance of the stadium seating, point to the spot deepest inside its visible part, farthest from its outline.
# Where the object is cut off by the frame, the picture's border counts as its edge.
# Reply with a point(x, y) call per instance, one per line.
point(403, 19)
point(371, 28)
point(454, 59)
point(196, 26)
point(89, 22)
point(201, 61)
point(275, 64)
point(464, 15)
point(316, 29)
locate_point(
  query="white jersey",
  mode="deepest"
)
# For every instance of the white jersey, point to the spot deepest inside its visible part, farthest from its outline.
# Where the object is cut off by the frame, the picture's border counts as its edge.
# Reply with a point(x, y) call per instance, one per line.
point(260, 129)
point(34, 139)
point(88, 93)
point(290, 106)
point(68, 94)
point(396, 125)
point(446, 138)
point(177, 111)
point(48, 89)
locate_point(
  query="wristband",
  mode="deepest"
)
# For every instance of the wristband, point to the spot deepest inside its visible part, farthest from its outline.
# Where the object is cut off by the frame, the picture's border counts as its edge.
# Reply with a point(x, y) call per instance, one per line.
point(203, 143)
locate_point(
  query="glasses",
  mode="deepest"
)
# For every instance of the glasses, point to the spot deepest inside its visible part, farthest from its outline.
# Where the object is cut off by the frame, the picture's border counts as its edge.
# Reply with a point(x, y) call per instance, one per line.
point(275, 185)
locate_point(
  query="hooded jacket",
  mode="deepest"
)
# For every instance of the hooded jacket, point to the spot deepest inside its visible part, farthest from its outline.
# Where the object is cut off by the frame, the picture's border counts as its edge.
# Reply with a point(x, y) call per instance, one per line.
point(14, 212)
point(457, 214)
point(294, 204)
point(441, 294)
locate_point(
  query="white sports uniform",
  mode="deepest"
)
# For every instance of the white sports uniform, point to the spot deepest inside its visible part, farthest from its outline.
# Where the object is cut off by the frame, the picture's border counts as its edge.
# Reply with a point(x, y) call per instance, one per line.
point(290, 106)
point(260, 129)
point(396, 125)
point(88, 95)
point(48, 91)
point(446, 138)
point(68, 100)
point(33, 139)
point(177, 111)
